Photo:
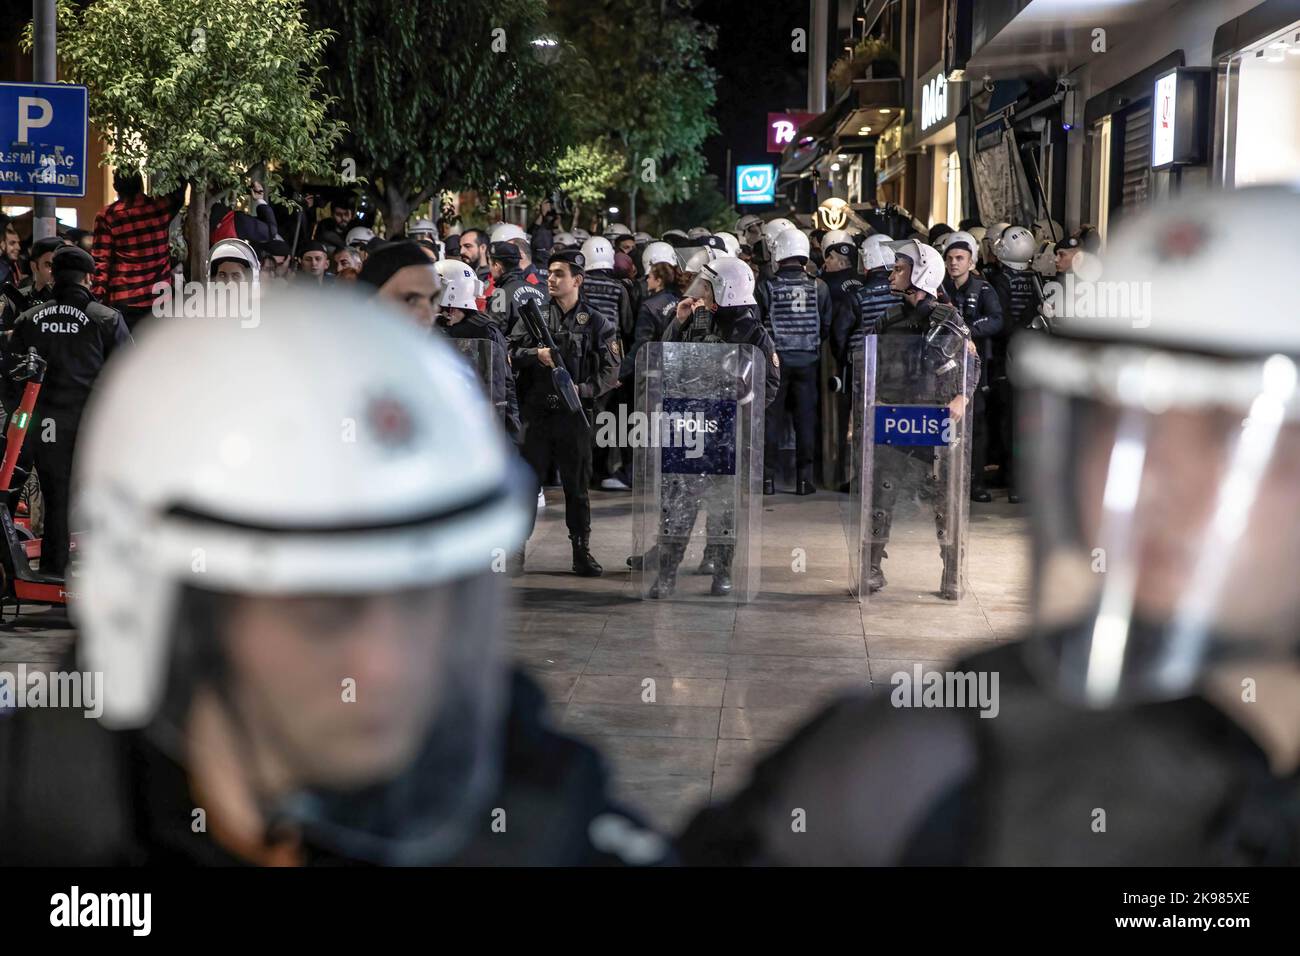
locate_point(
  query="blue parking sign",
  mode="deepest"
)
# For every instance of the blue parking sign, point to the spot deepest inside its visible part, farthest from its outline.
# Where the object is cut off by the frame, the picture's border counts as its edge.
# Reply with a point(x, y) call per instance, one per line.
point(43, 139)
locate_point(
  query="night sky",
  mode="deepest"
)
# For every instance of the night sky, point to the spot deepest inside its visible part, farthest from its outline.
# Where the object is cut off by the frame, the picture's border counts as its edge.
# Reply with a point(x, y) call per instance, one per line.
point(757, 74)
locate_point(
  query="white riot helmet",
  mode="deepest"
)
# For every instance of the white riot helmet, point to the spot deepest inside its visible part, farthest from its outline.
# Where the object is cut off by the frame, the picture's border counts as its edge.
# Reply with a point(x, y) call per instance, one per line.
point(582, 235)
point(730, 244)
point(506, 232)
point(747, 222)
point(838, 237)
point(1044, 262)
point(358, 236)
point(423, 229)
point(991, 235)
point(643, 238)
point(615, 230)
point(599, 253)
point(1016, 248)
point(1047, 230)
point(774, 227)
point(877, 252)
point(1168, 433)
point(789, 244)
point(461, 287)
point(269, 497)
point(964, 239)
point(658, 252)
point(693, 258)
point(697, 232)
point(565, 240)
point(927, 264)
point(237, 250)
point(729, 281)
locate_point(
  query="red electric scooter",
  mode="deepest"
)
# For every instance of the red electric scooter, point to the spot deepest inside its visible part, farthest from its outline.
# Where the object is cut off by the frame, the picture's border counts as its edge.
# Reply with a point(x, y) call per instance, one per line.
point(20, 582)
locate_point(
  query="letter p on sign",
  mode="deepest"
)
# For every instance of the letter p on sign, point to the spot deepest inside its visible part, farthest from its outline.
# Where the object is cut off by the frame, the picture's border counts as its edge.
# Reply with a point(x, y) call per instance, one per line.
point(26, 122)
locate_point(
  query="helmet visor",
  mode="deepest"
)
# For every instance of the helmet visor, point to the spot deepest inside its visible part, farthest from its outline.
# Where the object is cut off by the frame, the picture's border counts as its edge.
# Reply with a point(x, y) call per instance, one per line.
point(701, 288)
point(1167, 492)
point(385, 716)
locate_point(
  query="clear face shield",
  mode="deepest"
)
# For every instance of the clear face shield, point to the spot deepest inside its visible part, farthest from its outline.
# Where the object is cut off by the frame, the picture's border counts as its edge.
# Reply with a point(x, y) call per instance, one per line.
point(947, 337)
point(701, 288)
point(1167, 526)
point(384, 709)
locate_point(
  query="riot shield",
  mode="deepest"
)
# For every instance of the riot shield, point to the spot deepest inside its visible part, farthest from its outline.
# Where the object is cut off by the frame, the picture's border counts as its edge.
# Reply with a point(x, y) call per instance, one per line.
point(483, 357)
point(697, 468)
point(906, 514)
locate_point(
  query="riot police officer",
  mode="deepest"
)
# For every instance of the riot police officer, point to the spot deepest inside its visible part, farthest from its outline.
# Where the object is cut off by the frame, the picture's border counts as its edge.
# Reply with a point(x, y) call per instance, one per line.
point(76, 335)
point(511, 288)
point(916, 278)
point(588, 347)
point(980, 307)
point(1017, 287)
point(795, 309)
point(459, 318)
point(718, 307)
point(608, 295)
point(839, 265)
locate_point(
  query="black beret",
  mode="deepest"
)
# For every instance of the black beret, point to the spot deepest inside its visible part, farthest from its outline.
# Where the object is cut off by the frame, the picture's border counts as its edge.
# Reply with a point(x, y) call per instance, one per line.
point(382, 264)
point(312, 247)
point(74, 259)
point(574, 257)
point(1069, 242)
point(276, 247)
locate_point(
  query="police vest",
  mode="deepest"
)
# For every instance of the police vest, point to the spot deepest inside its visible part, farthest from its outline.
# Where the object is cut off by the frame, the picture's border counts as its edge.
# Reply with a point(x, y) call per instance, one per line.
point(604, 295)
point(1023, 299)
point(796, 324)
point(874, 299)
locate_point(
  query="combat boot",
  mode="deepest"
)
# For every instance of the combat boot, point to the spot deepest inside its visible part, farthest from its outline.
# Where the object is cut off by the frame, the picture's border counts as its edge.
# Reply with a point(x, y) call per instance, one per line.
point(584, 564)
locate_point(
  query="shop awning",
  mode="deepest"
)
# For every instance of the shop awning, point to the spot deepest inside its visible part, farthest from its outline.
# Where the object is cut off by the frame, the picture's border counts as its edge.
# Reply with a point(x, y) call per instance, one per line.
point(1049, 37)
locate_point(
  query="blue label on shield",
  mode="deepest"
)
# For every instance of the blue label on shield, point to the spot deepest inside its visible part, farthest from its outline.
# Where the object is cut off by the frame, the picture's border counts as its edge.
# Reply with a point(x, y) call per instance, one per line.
point(912, 425)
point(698, 437)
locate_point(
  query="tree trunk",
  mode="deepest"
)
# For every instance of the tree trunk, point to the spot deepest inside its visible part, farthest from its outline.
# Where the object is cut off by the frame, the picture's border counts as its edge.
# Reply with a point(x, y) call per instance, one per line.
point(395, 206)
point(631, 206)
point(576, 209)
point(198, 229)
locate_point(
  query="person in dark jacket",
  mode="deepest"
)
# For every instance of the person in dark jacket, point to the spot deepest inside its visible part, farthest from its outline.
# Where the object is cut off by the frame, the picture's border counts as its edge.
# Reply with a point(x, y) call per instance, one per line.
point(657, 311)
point(795, 309)
point(36, 288)
point(75, 335)
point(980, 307)
point(511, 288)
point(330, 689)
point(589, 348)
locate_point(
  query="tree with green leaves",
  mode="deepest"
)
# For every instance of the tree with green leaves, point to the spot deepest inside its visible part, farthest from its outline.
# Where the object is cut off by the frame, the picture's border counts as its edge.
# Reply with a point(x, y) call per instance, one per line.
point(199, 94)
point(440, 96)
point(644, 84)
point(586, 173)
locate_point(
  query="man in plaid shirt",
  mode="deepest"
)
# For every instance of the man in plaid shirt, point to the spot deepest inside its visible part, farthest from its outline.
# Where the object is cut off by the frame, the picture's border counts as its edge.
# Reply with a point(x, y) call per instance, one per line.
point(131, 251)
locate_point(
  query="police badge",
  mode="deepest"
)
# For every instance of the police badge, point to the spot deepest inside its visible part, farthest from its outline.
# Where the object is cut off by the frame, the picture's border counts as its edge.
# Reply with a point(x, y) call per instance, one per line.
point(582, 318)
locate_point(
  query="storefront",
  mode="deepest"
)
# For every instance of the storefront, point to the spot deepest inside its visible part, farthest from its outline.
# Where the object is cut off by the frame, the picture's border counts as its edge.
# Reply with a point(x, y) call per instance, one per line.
point(1257, 114)
point(937, 118)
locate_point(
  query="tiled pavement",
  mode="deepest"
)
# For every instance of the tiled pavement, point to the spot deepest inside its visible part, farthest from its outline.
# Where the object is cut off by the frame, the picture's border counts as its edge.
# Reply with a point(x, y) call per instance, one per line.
point(731, 681)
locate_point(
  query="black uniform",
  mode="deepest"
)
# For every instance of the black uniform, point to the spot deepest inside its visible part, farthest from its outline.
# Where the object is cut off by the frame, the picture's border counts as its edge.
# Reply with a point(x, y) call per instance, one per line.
point(980, 306)
point(936, 380)
point(476, 325)
point(859, 313)
point(839, 284)
point(76, 794)
point(795, 309)
point(654, 316)
point(1181, 784)
point(15, 300)
point(75, 335)
point(1017, 290)
point(590, 350)
point(509, 296)
point(682, 495)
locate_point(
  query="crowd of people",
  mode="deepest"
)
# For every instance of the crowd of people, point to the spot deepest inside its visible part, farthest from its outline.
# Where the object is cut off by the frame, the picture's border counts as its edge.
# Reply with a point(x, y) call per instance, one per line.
point(1168, 439)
